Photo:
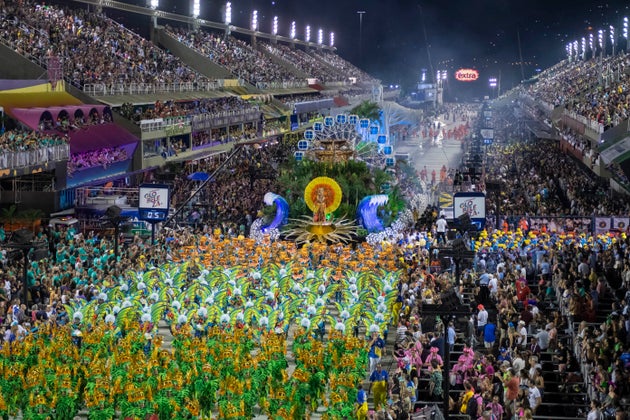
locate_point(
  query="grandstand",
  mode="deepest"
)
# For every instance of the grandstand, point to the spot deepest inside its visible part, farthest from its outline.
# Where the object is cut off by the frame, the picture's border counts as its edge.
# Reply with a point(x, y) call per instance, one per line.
point(127, 105)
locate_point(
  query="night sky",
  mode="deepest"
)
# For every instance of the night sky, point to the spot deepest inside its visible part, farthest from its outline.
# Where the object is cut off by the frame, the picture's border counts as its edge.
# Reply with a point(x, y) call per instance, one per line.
point(476, 33)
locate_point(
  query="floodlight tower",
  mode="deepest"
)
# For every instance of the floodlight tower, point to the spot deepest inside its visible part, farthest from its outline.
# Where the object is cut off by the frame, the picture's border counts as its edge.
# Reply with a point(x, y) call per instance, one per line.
point(320, 38)
point(591, 44)
point(274, 30)
point(228, 17)
point(293, 34)
point(307, 35)
point(600, 39)
point(332, 40)
point(254, 26)
point(625, 30)
point(361, 13)
point(612, 38)
point(493, 83)
point(195, 9)
point(154, 4)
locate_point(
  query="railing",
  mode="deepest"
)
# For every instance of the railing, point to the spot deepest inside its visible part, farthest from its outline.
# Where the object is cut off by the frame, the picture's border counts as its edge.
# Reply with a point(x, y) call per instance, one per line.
point(89, 196)
point(199, 122)
point(286, 84)
point(103, 89)
point(11, 160)
point(339, 83)
point(592, 124)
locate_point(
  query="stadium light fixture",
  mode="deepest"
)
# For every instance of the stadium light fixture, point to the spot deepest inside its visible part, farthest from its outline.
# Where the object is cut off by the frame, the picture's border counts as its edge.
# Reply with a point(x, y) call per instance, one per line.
point(154, 4)
point(332, 39)
point(275, 25)
point(293, 30)
point(228, 12)
point(625, 28)
point(568, 49)
point(444, 74)
point(576, 46)
point(307, 37)
point(612, 38)
point(600, 38)
point(196, 8)
point(320, 36)
point(254, 25)
point(591, 44)
point(493, 82)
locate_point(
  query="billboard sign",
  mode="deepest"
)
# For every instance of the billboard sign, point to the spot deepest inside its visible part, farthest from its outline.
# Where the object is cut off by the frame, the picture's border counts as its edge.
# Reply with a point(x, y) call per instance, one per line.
point(153, 202)
point(473, 204)
point(466, 75)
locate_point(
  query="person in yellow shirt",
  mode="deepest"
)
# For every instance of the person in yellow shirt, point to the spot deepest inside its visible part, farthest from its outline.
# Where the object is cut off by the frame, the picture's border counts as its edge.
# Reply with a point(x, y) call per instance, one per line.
point(466, 396)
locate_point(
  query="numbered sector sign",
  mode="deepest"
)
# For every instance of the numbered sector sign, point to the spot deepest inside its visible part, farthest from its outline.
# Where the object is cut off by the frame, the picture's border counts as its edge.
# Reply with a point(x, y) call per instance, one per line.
point(303, 145)
point(364, 123)
point(309, 134)
point(342, 118)
point(329, 121)
point(353, 119)
point(298, 156)
point(318, 126)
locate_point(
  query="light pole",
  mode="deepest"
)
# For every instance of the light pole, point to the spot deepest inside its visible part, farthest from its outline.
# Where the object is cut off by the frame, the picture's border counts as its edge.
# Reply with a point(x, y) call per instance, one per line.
point(493, 82)
point(361, 13)
point(625, 30)
point(612, 38)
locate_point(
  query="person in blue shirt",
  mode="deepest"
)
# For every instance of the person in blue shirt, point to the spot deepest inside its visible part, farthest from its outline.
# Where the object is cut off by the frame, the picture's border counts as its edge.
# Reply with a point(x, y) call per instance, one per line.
point(379, 380)
point(362, 405)
point(377, 344)
point(489, 335)
point(504, 356)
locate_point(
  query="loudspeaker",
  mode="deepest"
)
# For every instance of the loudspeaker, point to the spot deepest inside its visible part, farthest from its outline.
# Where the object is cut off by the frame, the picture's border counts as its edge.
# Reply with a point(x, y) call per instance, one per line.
point(459, 246)
point(22, 236)
point(113, 212)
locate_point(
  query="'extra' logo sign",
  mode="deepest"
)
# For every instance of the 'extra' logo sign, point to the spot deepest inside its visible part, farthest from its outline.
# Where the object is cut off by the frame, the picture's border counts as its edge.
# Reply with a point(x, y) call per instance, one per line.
point(466, 75)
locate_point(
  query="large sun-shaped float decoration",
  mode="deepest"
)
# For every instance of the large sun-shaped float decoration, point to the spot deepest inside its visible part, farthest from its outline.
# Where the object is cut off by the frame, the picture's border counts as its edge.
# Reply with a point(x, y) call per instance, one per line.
point(322, 196)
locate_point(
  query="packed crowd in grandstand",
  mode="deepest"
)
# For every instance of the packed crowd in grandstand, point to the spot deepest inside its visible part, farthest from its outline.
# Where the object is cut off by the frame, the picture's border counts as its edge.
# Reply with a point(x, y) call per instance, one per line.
point(101, 157)
point(25, 140)
point(596, 89)
point(93, 48)
point(237, 56)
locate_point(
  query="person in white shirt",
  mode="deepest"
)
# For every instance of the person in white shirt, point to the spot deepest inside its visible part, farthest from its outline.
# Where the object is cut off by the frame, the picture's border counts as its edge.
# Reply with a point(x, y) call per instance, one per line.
point(533, 395)
point(440, 228)
point(518, 364)
point(595, 413)
point(493, 286)
point(521, 340)
point(482, 319)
